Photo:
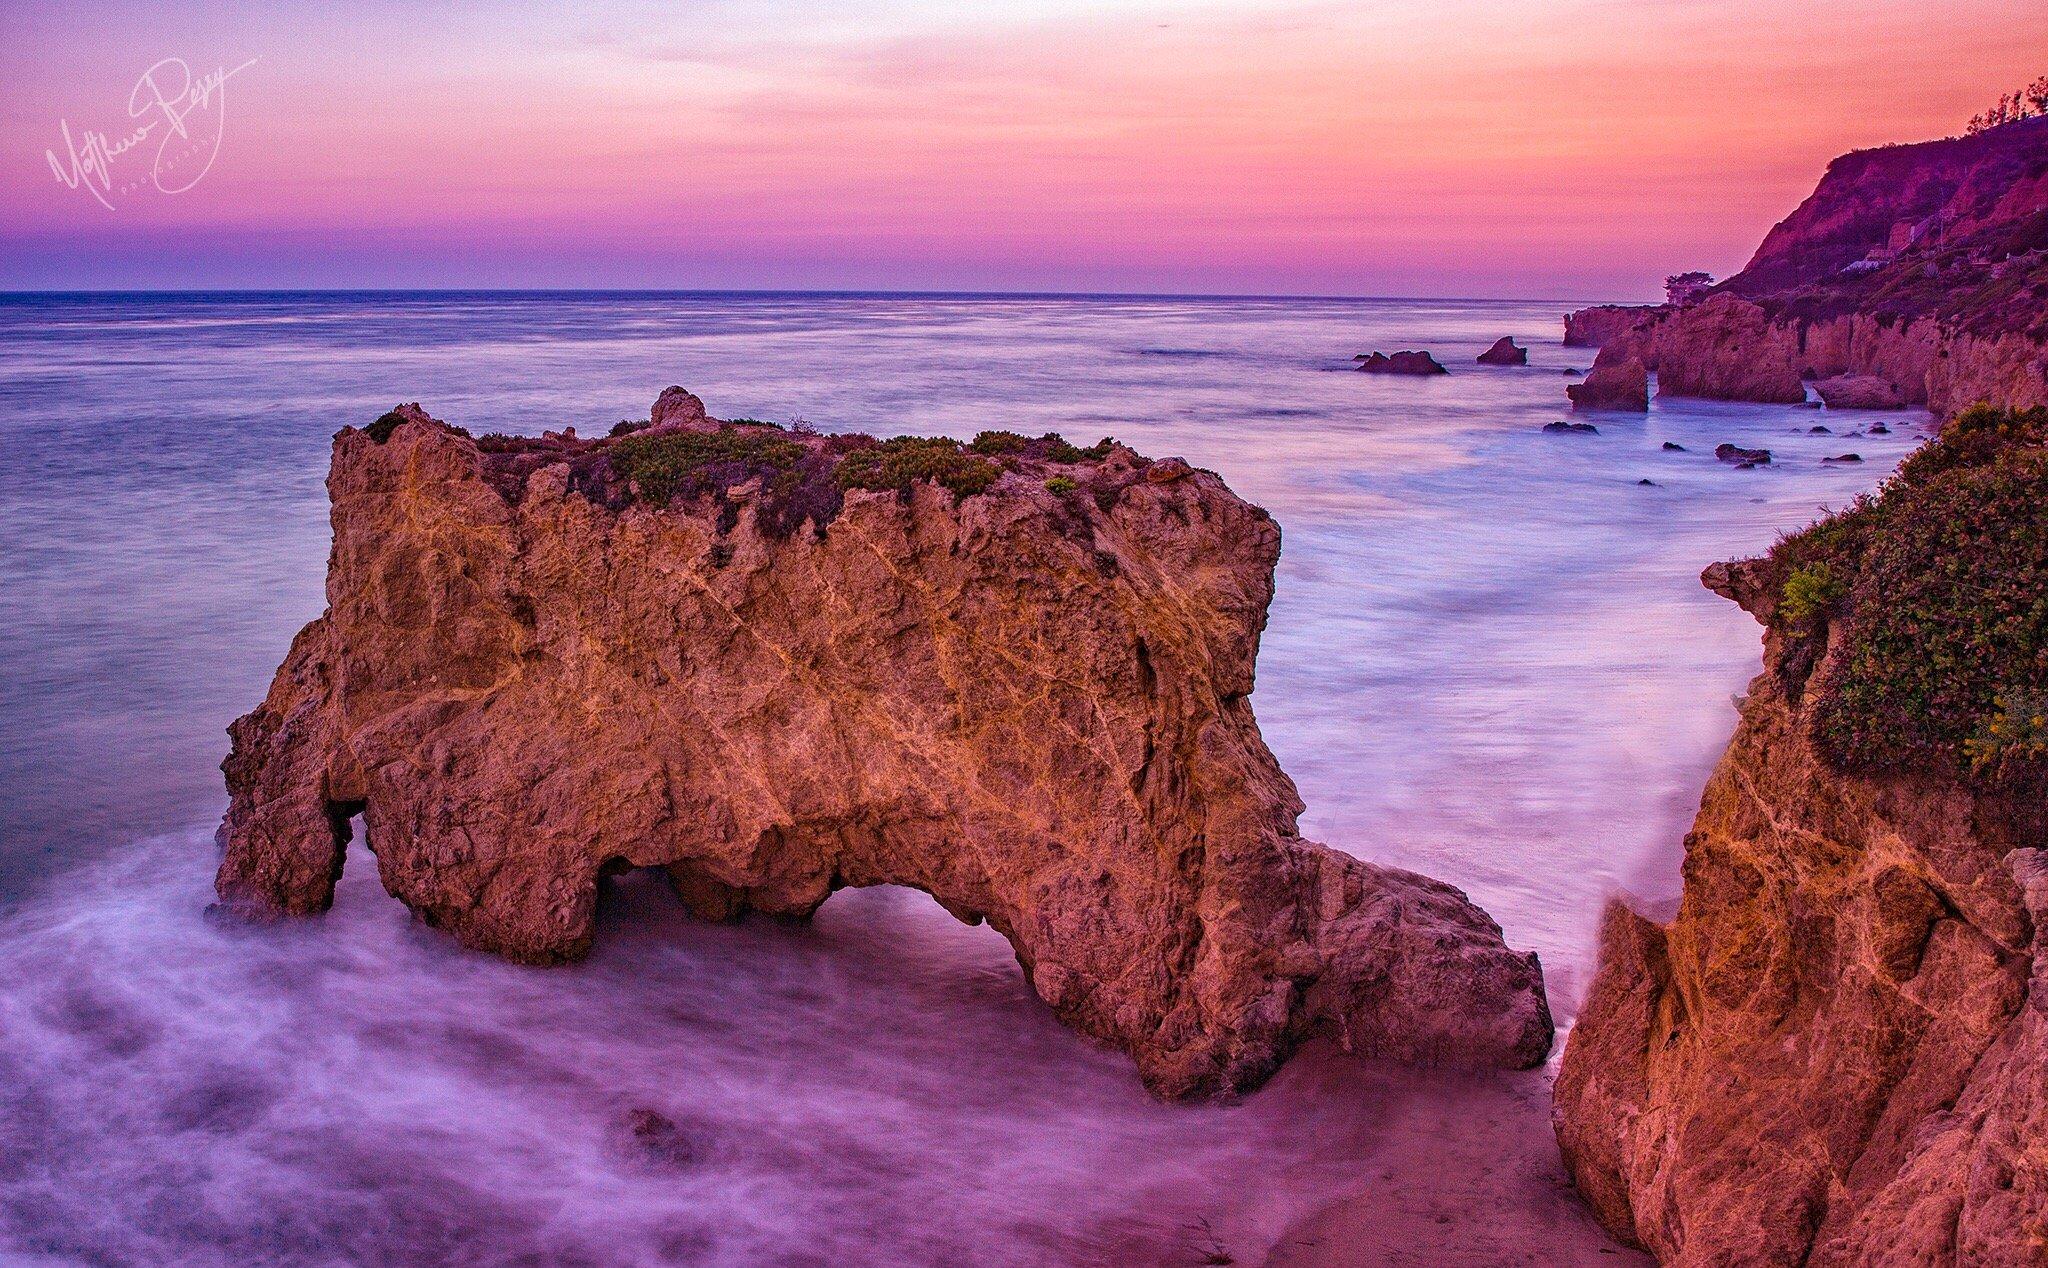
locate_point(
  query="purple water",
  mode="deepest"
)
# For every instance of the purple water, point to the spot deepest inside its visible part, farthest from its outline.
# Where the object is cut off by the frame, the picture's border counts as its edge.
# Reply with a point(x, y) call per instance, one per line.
point(1489, 660)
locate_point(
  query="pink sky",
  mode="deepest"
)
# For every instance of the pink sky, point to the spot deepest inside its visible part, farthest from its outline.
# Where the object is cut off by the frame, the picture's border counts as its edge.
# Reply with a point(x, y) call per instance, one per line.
point(1553, 148)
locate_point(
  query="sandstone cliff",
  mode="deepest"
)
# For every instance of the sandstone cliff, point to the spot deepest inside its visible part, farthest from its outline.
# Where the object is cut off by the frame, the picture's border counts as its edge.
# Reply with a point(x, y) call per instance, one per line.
point(1837, 1052)
point(1592, 327)
point(1924, 266)
point(1015, 675)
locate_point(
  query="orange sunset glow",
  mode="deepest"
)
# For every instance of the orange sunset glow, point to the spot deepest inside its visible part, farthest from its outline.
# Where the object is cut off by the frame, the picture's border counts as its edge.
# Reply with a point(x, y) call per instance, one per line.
point(1571, 147)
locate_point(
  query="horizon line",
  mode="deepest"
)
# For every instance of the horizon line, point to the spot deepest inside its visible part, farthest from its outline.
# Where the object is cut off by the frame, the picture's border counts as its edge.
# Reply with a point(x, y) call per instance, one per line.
point(252, 291)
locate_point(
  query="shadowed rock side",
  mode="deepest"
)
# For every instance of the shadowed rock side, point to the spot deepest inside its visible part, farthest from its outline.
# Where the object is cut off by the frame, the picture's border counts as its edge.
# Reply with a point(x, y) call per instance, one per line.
point(1924, 267)
point(1024, 693)
point(1837, 1052)
point(1613, 385)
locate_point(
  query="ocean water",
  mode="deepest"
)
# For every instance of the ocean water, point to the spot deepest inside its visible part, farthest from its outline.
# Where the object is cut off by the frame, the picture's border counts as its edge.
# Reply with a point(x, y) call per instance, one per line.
point(1489, 660)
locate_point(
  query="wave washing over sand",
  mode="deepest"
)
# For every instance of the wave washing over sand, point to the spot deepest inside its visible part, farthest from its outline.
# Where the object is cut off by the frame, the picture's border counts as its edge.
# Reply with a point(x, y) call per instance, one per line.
point(1489, 660)
point(880, 1087)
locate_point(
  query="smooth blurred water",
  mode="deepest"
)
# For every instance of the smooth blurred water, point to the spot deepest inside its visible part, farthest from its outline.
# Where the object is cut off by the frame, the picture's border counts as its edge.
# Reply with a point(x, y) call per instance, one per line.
point(1489, 660)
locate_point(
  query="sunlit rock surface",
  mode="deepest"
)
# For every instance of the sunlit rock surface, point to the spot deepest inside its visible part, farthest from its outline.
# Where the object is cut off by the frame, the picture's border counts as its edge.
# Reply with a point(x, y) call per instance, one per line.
point(1029, 699)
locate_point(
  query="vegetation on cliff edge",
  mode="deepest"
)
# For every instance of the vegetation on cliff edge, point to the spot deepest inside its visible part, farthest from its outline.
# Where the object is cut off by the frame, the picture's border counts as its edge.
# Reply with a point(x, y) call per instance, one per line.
point(1938, 591)
point(902, 461)
point(668, 465)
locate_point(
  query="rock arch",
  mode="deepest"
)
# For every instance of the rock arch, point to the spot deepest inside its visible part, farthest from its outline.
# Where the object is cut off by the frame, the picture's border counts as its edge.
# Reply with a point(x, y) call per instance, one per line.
point(1030, 702)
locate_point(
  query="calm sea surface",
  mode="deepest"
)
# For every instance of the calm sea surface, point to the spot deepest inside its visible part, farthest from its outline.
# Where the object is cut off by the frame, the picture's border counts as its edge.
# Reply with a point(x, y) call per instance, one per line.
point(1489, 660)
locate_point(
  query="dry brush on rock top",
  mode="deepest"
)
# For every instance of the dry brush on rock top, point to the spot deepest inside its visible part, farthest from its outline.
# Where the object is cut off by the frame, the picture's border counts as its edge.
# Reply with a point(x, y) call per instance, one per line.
point(1014, 674)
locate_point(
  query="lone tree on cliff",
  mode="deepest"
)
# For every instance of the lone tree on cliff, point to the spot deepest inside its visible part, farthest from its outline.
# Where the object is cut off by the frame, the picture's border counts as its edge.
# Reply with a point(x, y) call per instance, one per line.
point(1687, 288)
point(2011, 108)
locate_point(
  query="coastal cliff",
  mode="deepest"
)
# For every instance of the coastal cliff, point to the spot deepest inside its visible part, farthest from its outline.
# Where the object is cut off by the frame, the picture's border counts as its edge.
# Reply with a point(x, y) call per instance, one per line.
point(1836, 1053)
point(1925, 266)
point(1592, 327)
point(1013, 674)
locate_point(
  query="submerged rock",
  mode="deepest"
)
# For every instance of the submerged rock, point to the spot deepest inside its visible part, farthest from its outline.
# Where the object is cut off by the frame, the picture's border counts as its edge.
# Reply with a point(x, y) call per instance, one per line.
point(1564, 427)
point(649, 1136)
point(1746, 457)
point(1673, 446)
point(1418, 363)
point(1504, 352)
point(775, 664)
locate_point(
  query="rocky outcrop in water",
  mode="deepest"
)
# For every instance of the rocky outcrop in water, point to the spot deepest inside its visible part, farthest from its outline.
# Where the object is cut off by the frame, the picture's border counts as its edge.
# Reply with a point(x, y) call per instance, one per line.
point(1614, 385)
point(1505, 351)
point(1417, 363)
point(1014, 675)
point(1742, 457)
point(1922, 266)
point(1837, 1052)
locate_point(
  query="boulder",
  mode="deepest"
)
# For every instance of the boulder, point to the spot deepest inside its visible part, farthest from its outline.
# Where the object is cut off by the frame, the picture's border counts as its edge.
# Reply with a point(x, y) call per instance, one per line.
point(1504, 352)
point(678, 408)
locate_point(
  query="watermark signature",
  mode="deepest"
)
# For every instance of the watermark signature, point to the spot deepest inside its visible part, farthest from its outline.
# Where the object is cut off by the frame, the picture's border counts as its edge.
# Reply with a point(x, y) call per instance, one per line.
point(178, 134)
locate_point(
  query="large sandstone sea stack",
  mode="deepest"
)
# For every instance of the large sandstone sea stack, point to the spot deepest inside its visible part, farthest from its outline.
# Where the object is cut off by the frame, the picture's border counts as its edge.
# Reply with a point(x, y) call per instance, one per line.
point(1924, 267)
point(1013, 674)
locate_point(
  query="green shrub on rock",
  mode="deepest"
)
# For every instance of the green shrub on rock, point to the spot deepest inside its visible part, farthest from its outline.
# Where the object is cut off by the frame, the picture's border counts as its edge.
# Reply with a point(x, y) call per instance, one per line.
point(667, 465)
point(1939, 586)
point(1809, 593)
point(901, 462)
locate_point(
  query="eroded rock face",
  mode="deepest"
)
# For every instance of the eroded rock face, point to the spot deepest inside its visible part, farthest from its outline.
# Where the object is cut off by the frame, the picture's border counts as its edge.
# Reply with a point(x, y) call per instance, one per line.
point(1837, 1052)
point(1592, 327)
point(1615, 384)
point(1858, 391)
point(1029, 701)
